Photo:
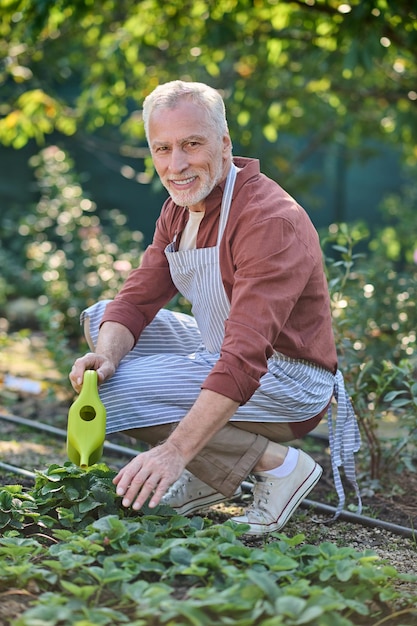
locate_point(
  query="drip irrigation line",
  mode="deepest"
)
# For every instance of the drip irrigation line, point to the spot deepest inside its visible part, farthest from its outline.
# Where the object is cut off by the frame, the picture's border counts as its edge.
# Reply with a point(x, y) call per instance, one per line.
point(363, 520)
point(354, 518)
point(16, 470)
point(22, 421)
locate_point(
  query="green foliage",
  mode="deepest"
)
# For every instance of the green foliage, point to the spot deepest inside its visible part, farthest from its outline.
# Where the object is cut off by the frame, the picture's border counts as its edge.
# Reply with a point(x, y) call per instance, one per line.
point(64, 496)
point(65, 256)
point(397, 240)
point(375, 317)
point(283, 66)
point(103, 565)
point(69, 250)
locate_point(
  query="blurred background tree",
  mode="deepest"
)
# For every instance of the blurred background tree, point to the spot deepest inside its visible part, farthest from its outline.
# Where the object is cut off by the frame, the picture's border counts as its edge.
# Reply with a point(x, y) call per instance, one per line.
point(318, 72)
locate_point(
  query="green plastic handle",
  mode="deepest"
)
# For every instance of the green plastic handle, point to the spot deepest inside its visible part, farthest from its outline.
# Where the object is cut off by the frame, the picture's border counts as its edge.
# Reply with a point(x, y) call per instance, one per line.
point(86, 429)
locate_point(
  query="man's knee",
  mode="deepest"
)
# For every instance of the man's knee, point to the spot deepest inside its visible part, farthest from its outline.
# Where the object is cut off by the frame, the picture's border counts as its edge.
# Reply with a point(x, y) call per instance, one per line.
point(279, 432)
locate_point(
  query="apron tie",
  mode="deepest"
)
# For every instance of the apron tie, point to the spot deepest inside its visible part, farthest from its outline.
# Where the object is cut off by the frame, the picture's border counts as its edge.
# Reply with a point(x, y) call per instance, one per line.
point(344, 440)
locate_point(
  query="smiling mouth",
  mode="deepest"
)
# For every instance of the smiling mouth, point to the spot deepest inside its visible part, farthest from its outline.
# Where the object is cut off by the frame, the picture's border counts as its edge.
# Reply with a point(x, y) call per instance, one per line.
point(184, 182)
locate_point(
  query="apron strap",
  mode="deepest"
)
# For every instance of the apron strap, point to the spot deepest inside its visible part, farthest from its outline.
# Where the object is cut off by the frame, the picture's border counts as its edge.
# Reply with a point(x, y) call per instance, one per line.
point(227, 200)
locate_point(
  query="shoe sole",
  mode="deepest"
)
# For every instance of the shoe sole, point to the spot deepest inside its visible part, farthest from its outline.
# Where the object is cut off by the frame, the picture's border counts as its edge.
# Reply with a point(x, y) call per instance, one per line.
point(291, 506)
point(205, 502)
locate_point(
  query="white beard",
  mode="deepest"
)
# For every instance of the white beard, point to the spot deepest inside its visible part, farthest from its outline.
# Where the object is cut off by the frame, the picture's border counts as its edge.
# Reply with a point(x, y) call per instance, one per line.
point(190, 198)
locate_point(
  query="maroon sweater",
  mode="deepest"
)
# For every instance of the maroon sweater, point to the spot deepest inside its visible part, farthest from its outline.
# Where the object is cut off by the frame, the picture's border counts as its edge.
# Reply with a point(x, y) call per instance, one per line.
point(272, 270)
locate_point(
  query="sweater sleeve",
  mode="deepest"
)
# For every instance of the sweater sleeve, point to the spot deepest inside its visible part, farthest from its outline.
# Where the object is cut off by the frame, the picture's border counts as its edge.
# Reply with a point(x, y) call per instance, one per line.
point(273, 266)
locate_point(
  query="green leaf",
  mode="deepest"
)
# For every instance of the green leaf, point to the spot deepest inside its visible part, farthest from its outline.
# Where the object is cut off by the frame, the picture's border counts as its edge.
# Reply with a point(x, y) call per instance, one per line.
point(345, 570)
point(292, 607)
point(392, 395)
point(83, 592)
point(180, 556)
point(264, 582)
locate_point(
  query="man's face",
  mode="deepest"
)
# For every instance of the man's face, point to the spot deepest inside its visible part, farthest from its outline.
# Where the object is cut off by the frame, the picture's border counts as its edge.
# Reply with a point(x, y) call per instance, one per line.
point(188, 155)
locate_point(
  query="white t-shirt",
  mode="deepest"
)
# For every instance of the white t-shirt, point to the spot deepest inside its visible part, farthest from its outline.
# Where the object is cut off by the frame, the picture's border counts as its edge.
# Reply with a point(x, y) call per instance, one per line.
point(189, 236)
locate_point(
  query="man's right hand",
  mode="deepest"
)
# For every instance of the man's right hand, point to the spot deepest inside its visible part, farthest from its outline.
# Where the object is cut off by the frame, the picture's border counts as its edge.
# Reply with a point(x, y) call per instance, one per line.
point(91, 361)
point(113, 343)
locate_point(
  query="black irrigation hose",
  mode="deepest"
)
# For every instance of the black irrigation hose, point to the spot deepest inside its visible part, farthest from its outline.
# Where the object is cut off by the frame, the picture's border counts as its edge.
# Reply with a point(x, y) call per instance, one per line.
point(363, 520)
point(110, 447)
point(17, 470)
point(354, 518)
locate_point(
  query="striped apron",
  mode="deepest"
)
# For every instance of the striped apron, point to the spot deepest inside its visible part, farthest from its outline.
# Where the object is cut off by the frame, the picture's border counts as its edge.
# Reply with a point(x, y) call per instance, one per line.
point(159, 380)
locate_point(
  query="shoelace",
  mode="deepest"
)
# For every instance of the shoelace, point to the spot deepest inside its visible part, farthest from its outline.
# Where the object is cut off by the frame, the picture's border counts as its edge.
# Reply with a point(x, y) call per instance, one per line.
point(258, 508)
point(179, 486)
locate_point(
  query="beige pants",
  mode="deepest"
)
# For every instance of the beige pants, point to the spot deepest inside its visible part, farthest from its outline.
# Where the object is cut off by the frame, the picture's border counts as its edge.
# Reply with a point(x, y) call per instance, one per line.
point(230, 455)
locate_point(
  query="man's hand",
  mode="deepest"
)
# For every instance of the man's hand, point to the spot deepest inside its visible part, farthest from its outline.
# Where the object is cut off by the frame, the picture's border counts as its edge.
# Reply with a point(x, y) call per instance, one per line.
point(91, 361)
point(149, 474)
point(152, 472)
point(113, 343)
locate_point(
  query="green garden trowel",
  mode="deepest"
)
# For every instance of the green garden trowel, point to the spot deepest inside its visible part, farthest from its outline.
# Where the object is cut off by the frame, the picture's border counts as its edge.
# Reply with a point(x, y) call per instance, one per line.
point(86, 429)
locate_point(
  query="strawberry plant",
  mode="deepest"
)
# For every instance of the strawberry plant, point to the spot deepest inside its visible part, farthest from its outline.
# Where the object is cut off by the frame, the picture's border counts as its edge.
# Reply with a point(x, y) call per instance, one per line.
point(89, 562)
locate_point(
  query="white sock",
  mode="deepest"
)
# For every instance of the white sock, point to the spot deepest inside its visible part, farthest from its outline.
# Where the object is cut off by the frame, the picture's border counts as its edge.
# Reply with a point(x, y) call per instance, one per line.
point(287, 466)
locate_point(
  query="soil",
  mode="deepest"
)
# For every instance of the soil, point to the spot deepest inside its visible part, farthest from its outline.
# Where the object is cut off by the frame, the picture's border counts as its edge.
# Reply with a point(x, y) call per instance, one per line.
point(394, 502)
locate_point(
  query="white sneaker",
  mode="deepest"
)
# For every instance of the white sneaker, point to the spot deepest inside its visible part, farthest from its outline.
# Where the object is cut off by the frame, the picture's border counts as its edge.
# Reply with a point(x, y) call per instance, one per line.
point(276, 499)
point(189, 494)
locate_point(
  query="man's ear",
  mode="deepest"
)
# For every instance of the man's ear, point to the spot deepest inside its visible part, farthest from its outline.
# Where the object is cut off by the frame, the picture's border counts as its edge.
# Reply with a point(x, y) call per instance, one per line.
point(227, 143)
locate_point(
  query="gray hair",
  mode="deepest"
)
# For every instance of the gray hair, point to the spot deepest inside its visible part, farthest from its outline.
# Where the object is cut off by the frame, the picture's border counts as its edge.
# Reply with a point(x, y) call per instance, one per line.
point(168, 95)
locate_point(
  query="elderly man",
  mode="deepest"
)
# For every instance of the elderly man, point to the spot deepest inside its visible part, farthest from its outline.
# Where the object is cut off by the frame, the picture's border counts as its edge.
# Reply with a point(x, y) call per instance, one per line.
point(217, 394)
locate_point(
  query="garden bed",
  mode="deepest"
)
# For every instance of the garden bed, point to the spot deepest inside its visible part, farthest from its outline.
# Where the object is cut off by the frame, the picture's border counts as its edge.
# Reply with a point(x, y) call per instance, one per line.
point(33, 450)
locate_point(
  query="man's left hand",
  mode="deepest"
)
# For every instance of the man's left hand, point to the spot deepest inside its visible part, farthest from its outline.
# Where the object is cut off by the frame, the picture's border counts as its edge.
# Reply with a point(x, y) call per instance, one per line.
point(149, 475)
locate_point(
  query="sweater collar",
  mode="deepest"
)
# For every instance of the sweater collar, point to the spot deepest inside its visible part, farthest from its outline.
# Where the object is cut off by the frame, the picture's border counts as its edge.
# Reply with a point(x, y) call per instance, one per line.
point(248, 169)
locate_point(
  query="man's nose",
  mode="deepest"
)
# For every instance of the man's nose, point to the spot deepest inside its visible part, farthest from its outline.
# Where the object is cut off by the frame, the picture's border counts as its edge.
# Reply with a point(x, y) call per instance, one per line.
point(179, 160)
